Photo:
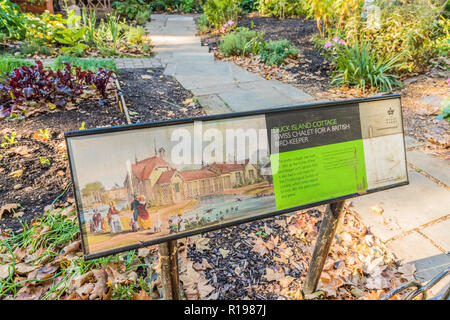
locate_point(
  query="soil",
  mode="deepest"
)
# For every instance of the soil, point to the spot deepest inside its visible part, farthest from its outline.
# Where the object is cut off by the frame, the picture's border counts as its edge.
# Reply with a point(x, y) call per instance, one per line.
point(40, 183)
point(249, 283)
point(157, 98)
point(419, 116)
point(152, 96)
point(311, 71)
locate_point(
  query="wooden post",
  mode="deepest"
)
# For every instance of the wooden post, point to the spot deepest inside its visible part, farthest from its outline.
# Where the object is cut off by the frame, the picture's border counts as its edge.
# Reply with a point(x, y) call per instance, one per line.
point(169, 270)
point(325, 238)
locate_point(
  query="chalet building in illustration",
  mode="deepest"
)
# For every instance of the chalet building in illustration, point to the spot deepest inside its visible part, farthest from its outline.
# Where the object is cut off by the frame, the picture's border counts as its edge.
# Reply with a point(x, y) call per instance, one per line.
point(161, 184)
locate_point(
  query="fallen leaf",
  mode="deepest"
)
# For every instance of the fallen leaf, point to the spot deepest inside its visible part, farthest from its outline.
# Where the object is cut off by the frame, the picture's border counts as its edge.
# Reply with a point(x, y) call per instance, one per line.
point(10, 207)
point(377, 210)
point(260, 247)
point(72, 247)
point(24, 151)
point(407, 270)
point(44, 273)
point(224, 252)
point(286, 281)
point(296, 295)
point(272, 242)
point(16, 173)
point(115, 277)
point(143, 252)
point(204, 290)
point(272, 275)
point(85, 290)
point(142, 295)
point(100, 287)
point(5, 270)
point(202, 266)
point(24, 268)
point(375, 295)
point(201, 244)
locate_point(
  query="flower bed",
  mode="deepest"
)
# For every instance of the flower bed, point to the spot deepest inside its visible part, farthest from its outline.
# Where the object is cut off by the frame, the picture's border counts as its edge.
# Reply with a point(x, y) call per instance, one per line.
point(33, 160)
point(29, 35)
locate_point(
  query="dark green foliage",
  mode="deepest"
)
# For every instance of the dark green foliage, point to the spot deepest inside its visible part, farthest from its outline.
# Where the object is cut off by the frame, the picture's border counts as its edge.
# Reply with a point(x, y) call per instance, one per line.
point(275, 52)
point(360, 66)
point(138, 10)
point(218, 12)
point(248, 5)
point(245, 41)
point(237, 43)
point(35, 46)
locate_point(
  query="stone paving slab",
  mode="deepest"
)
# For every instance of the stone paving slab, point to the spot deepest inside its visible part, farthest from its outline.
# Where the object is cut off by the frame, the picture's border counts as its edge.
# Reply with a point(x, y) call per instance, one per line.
point(209, 75)
point(412, 143)
point(408, 207)
point(213, 104)
point(261, 95)
point(428, 260)
point(434, 166)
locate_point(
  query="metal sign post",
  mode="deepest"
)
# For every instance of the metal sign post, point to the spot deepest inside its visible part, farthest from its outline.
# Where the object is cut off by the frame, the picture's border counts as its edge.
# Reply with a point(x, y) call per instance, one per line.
point(169, 270)
point(327, 230)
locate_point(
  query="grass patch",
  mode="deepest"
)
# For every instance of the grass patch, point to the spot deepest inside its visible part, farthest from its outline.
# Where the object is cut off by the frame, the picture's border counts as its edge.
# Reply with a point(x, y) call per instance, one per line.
point(8, 63)
point(43, 242)
point(92, 64)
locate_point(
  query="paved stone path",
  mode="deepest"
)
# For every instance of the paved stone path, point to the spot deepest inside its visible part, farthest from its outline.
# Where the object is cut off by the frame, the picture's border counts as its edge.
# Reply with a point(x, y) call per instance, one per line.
point(415, 223)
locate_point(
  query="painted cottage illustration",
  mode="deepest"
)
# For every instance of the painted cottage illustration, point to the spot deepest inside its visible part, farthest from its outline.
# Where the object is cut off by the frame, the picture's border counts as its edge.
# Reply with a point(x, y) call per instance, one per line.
point(161, 184)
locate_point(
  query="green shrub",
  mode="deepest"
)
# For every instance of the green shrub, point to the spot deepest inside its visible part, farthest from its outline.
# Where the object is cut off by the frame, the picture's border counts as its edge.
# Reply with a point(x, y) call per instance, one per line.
point(136, 35)
point(35, 46)
point(143, 16)
point(284, 8)
point(245, 41)
point(186, 5)
point(218, 12)
point(203, 24)
point(238, 43)
point(275, 52)
point(133, 10)
point(248, 5)
point(361, 66)
point(411, 28)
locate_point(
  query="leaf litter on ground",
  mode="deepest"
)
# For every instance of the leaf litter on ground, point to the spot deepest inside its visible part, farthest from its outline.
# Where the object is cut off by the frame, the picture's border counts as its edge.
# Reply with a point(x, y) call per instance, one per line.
point(45, 262)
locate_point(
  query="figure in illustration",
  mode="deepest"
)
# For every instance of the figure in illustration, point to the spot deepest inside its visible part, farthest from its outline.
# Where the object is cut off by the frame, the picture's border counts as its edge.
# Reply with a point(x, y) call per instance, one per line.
point(133, 225)
point(179, 221)
point(114, 218)
point(96, 224)
point(134, 207)
point(158, 224)
point(143, 219)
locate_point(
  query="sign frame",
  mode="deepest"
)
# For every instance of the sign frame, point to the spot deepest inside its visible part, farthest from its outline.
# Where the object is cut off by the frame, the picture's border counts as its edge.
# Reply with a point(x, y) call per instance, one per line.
point(184, 234)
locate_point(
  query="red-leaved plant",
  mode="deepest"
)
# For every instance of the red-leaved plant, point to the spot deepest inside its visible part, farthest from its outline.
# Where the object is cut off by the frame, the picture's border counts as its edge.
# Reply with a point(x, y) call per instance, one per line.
point(36, 87)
